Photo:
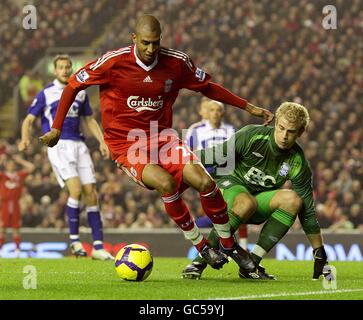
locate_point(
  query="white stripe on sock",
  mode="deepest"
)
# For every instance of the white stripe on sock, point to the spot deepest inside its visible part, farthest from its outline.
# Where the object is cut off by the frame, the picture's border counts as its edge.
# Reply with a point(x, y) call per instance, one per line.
point(92, 209)
point(172, 198)
point(95, 243)
point(210, 194)
point(193, 235)
point(74, 236)
point(223, 230)
point(258, 251)
point(73, 203)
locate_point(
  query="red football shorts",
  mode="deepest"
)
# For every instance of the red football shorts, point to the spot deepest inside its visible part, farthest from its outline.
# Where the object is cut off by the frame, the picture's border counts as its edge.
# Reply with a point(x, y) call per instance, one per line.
point(10, 214)
point(171, 156)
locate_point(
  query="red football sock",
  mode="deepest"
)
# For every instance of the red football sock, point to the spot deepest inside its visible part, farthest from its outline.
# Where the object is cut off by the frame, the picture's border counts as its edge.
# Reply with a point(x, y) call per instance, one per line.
point(215, 208)
point(179, 212)
point(2, 241)
point(242, 231)
point(16, 239)
point(214, 205)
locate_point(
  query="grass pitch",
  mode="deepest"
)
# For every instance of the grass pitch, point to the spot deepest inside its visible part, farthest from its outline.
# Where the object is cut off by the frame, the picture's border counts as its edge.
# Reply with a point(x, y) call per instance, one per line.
point(79, 279)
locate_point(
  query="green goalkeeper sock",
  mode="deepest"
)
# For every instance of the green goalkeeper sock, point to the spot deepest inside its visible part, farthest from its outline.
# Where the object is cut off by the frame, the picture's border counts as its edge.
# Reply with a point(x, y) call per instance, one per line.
point(272, 232)
point(213, 237)
point(234, 220)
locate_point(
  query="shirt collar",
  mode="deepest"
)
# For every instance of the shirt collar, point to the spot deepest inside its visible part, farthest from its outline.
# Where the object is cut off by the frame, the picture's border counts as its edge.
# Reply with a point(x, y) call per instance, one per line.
point(58, 84)
point(143, 65)
point(209, 126)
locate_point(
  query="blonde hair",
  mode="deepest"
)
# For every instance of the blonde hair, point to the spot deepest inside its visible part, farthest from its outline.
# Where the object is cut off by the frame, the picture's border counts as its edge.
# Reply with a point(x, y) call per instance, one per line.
point(218, 103)
point(293, 112)
point(61, 57)
point(204, 100)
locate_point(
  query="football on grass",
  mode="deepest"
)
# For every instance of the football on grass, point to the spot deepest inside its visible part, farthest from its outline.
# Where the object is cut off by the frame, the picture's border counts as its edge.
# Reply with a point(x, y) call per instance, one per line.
point(134, 262)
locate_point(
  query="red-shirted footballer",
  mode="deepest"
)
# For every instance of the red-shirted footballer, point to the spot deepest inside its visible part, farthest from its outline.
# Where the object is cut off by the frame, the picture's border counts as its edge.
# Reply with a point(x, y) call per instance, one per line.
point(11, 187)
point(138, 87)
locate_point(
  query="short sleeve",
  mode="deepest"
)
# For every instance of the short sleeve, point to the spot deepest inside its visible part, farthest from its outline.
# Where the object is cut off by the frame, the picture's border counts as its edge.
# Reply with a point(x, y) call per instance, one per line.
point(193, 78)
point(38, 105)
point(94, 73)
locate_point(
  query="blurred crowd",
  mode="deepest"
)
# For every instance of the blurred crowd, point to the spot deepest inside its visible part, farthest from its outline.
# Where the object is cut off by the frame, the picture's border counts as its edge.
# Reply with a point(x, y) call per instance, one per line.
point(58, 23)
point(267, 52)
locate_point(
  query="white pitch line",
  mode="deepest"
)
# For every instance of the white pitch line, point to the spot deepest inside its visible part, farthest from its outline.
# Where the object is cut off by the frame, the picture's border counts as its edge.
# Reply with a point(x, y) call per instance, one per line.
point(284, 294)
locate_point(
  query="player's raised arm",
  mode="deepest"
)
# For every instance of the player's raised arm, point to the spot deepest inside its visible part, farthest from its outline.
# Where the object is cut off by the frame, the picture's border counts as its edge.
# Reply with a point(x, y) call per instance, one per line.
point(94, 73)
point(28, 166)
point(51, 138)
point(217, 92)
point(197, 80)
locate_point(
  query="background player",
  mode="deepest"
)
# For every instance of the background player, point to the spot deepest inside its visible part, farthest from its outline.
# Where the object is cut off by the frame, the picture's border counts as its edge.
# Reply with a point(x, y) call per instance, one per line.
point(11, 186)
point(266, 158)
point(70, 160)
point(207, 133)
point(138, 86)
point(204, 115)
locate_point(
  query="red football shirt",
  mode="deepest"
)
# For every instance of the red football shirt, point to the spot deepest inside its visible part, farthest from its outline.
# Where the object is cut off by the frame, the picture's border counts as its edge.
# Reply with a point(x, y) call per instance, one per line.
point(11, 185)
point(133, 95)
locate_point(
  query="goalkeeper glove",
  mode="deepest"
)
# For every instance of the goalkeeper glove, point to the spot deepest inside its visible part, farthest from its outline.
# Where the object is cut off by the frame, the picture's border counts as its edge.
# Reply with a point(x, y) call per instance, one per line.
point(320, 260)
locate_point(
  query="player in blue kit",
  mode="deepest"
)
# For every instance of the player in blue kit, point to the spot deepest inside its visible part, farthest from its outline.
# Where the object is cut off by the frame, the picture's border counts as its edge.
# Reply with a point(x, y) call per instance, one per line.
point(70, 159)
point(211, 130)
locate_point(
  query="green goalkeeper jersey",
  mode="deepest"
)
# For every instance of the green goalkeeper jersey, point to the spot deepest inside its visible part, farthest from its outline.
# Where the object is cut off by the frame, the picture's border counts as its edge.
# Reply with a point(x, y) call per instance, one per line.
point(253, 157)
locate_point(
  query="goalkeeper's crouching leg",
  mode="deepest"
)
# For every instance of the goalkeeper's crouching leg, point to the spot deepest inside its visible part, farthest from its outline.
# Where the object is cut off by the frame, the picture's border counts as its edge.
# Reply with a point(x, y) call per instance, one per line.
point(320, 261)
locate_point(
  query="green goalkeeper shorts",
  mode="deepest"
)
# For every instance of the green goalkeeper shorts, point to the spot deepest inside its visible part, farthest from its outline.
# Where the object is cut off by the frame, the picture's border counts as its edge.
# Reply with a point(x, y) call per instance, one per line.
point(230, 187)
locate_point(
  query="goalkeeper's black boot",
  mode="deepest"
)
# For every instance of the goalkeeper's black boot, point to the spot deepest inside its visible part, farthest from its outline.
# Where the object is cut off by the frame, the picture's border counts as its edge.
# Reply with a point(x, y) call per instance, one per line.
point(194, 270)
point(215, 258)
point(259, 274)
point(241, 257)
point(320, 261)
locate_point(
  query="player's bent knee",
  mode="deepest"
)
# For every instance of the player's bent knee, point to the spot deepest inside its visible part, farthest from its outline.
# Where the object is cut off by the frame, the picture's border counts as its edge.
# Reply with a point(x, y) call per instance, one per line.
point(297, 202)
point(91, 198)
point(291, 201)
point(166, 186)
point(244, 205)
point(294, 200)
point(205, 184)
point(75, 193)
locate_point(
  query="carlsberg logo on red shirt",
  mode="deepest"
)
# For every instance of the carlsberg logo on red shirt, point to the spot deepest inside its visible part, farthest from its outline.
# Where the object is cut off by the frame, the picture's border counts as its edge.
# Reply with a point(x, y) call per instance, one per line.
point(144, 104)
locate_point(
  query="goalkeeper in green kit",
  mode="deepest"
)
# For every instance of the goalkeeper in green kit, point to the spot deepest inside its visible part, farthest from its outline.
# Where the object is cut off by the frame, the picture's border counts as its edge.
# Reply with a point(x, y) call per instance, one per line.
point(250, 168)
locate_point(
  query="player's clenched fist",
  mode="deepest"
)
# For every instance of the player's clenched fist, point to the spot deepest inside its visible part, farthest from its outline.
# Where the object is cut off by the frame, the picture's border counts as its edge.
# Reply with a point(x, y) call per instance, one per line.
point(23, 145)
point(51, 138)
point(268, 116)
point(260, 112)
